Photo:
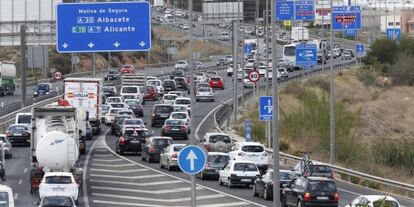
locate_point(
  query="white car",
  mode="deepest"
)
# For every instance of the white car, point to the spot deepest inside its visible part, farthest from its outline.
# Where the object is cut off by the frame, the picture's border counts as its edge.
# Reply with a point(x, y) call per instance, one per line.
point(181, 64)
point(110, 116)
point(250, 151)
point(249, 63)
point(238, 172)
point(230, 69)
point(168, 99)
point(204, 93)
point(201, 77)
point(369, 200)
point(23, 118)
point(248, 83)
point(169, 156)
point(211, 73)
point(113, 99)
point(125, 112)
point(262, 70)
point(59, 183)
point(158, 86)
point(183, 101)
point(178, 93)
point(182, 116)
point(136, 92)
point(229, 59)
point(7, 196)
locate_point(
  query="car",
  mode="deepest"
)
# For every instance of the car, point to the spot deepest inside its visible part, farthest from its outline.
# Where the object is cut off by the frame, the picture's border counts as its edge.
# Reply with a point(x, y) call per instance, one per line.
point(23, 118)
point(64, 181)
point(181, 64)
point(373, 200)
point(132, 92)
point(131, 139)
point(283, 73)
point(317, 170)
point(221, 62)
point(104, 109)
point(152, 94)
point(112, 75)
point(169, 85)
point(237, 172)
point(169, 156)
point(168, 99)
point(110, 116)
point(158, 85)
point(230, 70)
point(178, 93)
point(175, 128)
point(263, 185)
point(204, 93)
point(109, 91)
point(201, 77)
point(127, 69)
point(185, 26)
point(181, 83)
point(197, 65)
point(216, 82)
point(248, 84)
point(135, 106)
point(229, 59)
point(7, 146)
point(116, 126)
point(262, 70)
point(42, 89)
point(201, 85)
point(183, 101)
point(89, 131)
point(310, 191)
point(347, 55)
point(211, 73)
point(217, 142)
point(18, 134)
point(215, 162)
point(57, 201)
point(118, 105)
point(183, 116)
point(151, 150)
point(176, 73)
point(125, 112)
point(160, 113)
point(250, 63)
point(250, 151)
point(115, 99)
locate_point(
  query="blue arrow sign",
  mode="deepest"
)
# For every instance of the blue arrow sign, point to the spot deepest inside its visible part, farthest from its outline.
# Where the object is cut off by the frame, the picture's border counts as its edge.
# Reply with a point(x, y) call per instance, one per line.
point(247, 48)
point(103, 27)
point(265, 108)
point(394, 34)
point(306, 54)
point(346, 18)
point(192, 159)
point(359, 48)
point(350, 32)
point(284, 10)
point(248, 130)
point(305, 10)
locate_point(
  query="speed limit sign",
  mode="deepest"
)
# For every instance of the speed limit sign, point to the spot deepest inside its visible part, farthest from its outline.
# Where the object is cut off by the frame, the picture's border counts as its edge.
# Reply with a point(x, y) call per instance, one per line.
point(57, 75)
point(254, 76)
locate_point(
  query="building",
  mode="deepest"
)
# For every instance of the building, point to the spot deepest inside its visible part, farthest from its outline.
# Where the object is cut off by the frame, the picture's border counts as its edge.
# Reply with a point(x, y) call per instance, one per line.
point(407, 22)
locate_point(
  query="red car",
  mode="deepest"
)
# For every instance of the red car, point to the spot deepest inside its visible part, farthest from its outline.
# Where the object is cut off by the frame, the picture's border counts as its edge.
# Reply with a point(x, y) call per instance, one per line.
point(152, 94)
point(127, 69)
point(216, 82)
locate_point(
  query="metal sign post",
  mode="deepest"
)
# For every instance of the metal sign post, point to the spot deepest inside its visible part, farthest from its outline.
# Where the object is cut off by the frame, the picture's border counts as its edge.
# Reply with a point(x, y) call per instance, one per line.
point(331, 94)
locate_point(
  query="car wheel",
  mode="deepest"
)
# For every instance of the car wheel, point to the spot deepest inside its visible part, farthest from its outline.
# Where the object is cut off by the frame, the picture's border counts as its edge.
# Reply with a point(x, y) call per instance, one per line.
point(168, 166)
point(266, 194)
point(113, 132)
point(148, 158)
point(202, 176)
point(161, 166)
point(121, 152)
point(229, 184)
point(142, 157)
point(255, 194)
point(299, 204)
point(220, 182)
point(152, 125)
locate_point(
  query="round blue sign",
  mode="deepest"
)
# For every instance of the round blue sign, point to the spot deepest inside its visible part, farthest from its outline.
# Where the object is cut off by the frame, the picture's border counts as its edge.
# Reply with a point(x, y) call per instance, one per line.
point(192, 159)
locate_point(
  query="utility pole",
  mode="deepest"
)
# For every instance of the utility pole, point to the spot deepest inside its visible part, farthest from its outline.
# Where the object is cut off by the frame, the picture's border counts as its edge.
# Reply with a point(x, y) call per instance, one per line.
point(23, 64)
point(275, 115)
point(266, 33)
point(331, 99)
point(258, 45)
point(93, 65)
point(235, 67)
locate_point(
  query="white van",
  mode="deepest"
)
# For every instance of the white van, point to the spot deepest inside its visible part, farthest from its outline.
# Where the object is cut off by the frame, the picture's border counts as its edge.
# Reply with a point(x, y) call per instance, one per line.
point(23, 118)
point(136, 91)
point(6, 196)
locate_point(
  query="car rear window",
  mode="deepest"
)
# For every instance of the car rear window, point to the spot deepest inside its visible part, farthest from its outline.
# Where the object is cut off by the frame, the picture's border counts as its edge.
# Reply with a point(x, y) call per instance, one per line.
point(252, 149)
point(182, 101)
point(58, 180)
point(219, 138)
point(164, 109)
point(322, 186)
point(15, 128)
point(245, 167)
point(215, 79)
point(24, 119)
point(170, 97)
point(218, 158)
point(129, 90)
point(179, 116)
point(155, 83)
point(161, 142)
point(321, 169)
point(113, 111)
point(57, 201)
point(117, 105)
point(133, 122)
point(204, 89)
point(135, 133)
point(171, 122)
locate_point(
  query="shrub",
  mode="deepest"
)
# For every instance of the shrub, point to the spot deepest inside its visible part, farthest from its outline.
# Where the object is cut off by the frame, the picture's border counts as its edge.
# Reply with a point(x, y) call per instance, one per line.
point(367, 75)
point(402, 72)
point(383, 50)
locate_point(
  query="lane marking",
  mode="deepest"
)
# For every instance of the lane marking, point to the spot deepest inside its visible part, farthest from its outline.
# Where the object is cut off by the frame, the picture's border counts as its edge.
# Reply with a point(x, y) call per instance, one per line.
point(25, 170)
point(203, 197)
point(20, 181)
point(119, 171)
point(16, 196)
point(150, 205)
point(101, 155)
point(350, 192)
point(128, 178)
point(119, 165)
point(155, 192)
point(101, 150)
point(106, 160)
point(224, 204)
point(137, 184)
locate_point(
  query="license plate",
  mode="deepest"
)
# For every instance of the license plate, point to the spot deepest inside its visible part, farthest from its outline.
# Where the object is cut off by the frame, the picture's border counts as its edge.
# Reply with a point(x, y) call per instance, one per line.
point(164, 116)
point(134, 141)
point(245, 180)
point(17, 134)
point(322, 198)
point(175, 129)
point(58, 189)
point(215, 82)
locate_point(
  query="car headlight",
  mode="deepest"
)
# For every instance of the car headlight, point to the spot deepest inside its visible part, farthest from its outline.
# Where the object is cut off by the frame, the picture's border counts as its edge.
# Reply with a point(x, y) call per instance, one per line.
point(35, 93)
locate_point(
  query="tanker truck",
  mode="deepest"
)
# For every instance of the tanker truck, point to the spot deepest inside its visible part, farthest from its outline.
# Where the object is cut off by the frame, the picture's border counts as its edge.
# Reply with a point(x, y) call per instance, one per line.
point(54, 150)
point(7, 78)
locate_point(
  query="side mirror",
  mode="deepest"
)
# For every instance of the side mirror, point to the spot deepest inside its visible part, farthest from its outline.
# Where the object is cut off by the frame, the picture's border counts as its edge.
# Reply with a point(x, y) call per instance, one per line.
point(145, 123)
point(259, 177)
point(204, 140)
point(285, 185)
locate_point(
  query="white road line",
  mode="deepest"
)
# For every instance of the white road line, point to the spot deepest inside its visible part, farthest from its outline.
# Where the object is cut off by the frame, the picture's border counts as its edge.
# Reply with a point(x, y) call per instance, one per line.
point(350, 192)
point(101, 150)
point(127, 177)
point(137, 184)
point(119, 165)
point(224, 204)
point(155, 192)
point(203, 197)
point(20, 181)
point(25, 170)
point(16, 196)
point(112, 203)
point(106, 160)
point(106, 155)
point(119, 171)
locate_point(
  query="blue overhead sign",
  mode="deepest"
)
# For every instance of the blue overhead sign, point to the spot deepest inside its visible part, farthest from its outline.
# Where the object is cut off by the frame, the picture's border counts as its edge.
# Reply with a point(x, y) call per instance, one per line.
point(103, 27)
point(192, 159)
point(346, 18)
point(265, 108)
point(350, 33)
point(394, 34)
point(305, 10)
point(284, 10)
point(306, 55)
point(248, 130)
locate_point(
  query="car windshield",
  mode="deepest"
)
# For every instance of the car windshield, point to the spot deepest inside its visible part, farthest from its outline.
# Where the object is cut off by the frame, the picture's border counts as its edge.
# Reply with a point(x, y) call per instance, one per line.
point(57, 201)
point(108, 89)
point(219, 138)
point(252, 149)
point(129, 90)
point(62, 179)
point(163, 109)
point(133, 122)
point(135, 133)
point(154, 83)
point(170, 97)
point(182, 101)
point(132, 102)
point(382, 203)
point(245, 167)
point(290, 50)
point(117, 105)
point(215, 79)
point(43, 87)
point(161, 142)
point(172, 122)
point(218, 159)
point(178, 148)
point(321, 169)
point(17, 128)
point(179, 116)
point(322, 186)
point(113, 111)
point(112, 72)
point(114, 100)
point(168, 83)
point(105, 108)
point(4, 199)
point(180, 80)
point(180, 62)
point(24, 119)
point(204, 90)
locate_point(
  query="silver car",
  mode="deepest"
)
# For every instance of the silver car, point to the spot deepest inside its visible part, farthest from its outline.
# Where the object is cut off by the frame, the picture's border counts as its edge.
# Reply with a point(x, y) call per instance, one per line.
point(169, 156)
point(204, 93)
point(7, 146)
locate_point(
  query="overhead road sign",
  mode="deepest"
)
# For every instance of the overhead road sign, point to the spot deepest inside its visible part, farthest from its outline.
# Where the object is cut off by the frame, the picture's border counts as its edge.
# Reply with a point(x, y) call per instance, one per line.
point(346, 18)
point(394, 34)
point(192, 159)
point(284, 10)
point(306, 55)
point(305, 10)
point(253, 76)
point(103, 27)
point(350, 32)
point(265, 108)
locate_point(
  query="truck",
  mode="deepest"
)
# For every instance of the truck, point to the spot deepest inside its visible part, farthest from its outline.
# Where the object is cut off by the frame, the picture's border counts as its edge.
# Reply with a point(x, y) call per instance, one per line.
point(299, 34)
point(7, 78)
point(159, 3)
point(85, 93)
point(55, 143)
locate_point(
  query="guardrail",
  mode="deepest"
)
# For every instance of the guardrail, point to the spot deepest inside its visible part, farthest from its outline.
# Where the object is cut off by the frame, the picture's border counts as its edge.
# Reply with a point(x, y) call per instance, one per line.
point(223, 114)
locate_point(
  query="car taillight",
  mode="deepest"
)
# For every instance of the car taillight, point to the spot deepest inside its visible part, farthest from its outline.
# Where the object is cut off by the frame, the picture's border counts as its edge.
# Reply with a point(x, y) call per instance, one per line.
point(332, 175)
point(153, 114)
point(241, 154)
point(174, 156)
point(183, 128)
point(167, 128)
point(9, 134)
point(122, 140)
point(306, 196)
point(207, 165)
point(152, 149)
point(336, 197)
point(207, 146)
